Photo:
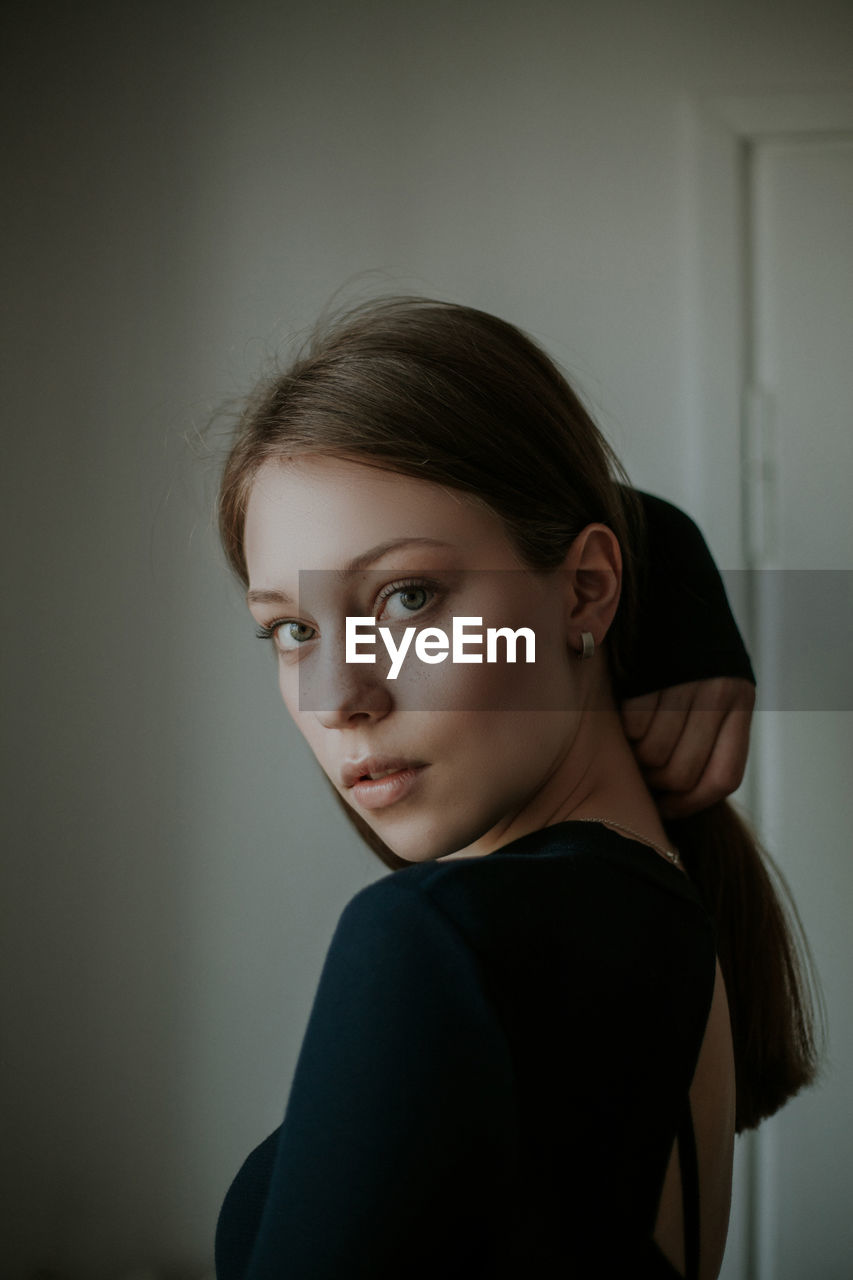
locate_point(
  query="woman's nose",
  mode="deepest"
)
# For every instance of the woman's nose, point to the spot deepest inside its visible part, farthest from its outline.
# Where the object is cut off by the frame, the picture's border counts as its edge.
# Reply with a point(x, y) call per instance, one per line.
point(340, 691)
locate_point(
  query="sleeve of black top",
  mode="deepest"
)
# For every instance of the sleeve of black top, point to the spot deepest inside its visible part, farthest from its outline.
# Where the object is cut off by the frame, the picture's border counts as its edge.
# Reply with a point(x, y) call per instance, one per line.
point(686, 629)
point(400, 1118)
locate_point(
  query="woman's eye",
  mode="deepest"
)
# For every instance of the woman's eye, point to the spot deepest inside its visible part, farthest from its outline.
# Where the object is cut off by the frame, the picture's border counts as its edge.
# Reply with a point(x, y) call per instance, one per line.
point(395, 603)
point(408, 597)
point(293, 631)
point(288, 636)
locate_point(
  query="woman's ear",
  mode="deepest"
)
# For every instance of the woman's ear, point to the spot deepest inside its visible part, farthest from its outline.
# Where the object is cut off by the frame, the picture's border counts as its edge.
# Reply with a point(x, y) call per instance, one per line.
point(592, 571)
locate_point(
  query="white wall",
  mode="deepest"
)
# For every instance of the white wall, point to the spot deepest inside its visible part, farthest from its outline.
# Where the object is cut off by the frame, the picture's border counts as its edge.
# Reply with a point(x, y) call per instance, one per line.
point(192, 182)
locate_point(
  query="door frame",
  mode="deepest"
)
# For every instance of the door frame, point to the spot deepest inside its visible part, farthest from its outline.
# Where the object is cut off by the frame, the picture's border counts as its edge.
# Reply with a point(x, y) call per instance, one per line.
point(721, 131)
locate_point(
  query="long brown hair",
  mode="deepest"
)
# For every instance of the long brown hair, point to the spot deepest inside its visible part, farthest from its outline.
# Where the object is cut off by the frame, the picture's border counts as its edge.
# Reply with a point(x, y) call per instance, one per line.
point(452, 395)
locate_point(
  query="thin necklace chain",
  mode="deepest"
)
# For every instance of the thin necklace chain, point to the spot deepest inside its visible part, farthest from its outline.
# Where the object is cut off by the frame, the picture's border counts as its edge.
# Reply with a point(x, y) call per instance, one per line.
point(670, 854)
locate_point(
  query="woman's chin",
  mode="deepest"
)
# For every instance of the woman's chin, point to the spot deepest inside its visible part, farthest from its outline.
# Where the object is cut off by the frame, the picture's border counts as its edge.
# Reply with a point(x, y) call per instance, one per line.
point(418, 841)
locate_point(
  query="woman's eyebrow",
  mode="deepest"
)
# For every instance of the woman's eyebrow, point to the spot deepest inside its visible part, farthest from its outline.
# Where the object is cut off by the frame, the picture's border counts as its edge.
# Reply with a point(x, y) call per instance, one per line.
point(262, 596)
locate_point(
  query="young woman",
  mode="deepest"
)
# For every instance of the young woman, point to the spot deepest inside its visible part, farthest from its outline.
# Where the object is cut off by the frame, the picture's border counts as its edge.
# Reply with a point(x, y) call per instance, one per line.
point(531, 1045)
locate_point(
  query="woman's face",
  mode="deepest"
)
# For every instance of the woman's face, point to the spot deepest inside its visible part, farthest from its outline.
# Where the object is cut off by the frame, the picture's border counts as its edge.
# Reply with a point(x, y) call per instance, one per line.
point(495, 749)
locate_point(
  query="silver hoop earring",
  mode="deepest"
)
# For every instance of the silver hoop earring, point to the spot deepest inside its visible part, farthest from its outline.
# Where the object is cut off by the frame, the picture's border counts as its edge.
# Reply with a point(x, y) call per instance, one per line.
point(588, 645)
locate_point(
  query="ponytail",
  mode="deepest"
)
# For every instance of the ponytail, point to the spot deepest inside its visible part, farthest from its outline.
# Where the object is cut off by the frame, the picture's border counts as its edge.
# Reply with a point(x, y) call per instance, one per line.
point(771, 982)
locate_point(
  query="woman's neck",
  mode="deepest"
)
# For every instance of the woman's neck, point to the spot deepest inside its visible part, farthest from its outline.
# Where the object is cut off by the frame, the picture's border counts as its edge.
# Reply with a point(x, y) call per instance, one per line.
point(616, 790)
point(598, 777)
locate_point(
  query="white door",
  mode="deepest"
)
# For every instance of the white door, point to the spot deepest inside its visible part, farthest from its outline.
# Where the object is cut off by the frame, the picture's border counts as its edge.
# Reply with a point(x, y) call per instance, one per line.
point(800, 431)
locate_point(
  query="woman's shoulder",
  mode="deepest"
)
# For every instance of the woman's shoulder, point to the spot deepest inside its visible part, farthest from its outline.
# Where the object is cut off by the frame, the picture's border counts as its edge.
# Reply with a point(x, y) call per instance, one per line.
point(521, 933)
point(585, 857)
point(576, 882)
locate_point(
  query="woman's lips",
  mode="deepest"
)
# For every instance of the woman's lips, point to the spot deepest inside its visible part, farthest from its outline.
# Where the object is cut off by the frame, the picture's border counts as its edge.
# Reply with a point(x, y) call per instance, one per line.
point(385, 791)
